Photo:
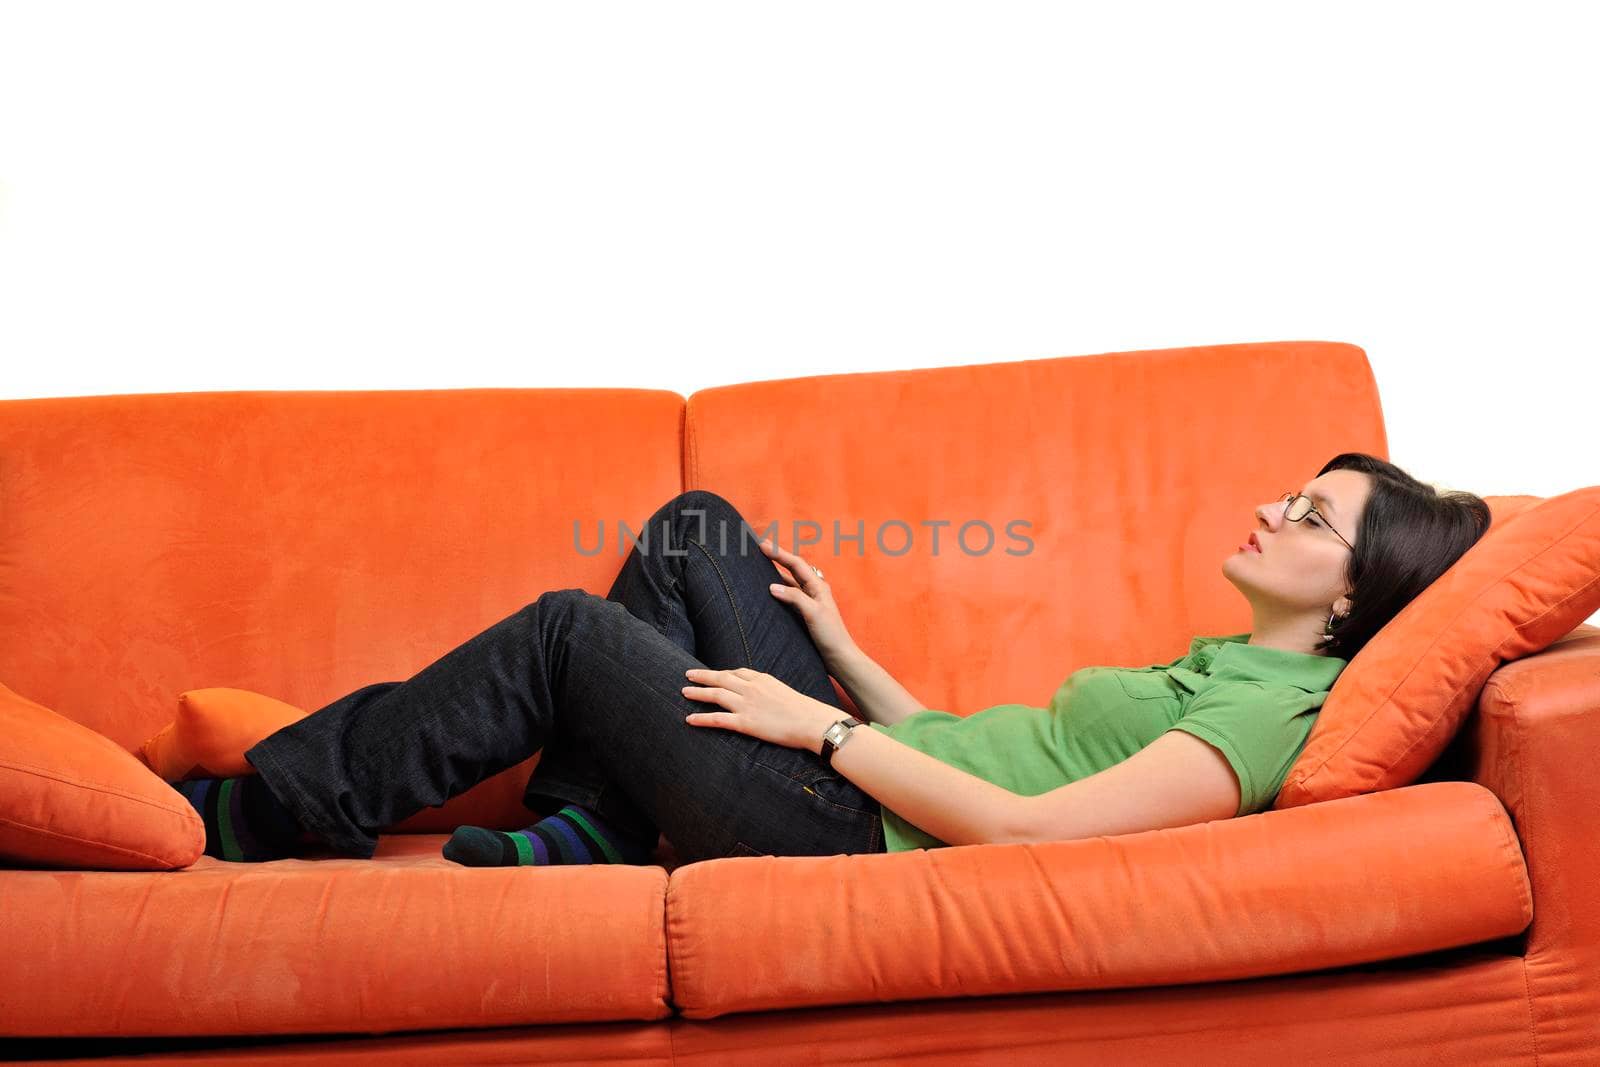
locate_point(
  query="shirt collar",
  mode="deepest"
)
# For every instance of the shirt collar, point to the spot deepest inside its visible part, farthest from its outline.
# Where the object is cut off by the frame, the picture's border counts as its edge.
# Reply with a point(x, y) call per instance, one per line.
point(1233, 657)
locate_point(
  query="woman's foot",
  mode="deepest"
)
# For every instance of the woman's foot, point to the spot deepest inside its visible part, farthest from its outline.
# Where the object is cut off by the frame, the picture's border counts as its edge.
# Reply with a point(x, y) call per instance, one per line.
point(245, 821)
point(572, 835)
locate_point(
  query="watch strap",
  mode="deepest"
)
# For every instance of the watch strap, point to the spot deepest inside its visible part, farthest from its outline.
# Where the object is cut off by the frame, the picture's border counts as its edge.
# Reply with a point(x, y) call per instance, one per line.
point(828, 746)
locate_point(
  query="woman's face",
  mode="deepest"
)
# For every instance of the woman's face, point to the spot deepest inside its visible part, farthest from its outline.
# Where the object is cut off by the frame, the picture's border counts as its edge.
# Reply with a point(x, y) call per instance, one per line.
point(1300, 567)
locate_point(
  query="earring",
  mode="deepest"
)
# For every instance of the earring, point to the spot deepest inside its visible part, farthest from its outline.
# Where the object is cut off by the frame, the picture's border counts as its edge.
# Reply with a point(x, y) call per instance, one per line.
point(1327, 631)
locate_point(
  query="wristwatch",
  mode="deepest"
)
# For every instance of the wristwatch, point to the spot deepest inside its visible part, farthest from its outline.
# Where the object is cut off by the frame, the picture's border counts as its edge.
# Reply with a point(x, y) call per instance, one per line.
point(837, 735)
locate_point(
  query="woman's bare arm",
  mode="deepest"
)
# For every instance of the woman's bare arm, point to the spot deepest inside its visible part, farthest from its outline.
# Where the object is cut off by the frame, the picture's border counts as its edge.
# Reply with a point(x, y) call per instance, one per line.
point(873, 690)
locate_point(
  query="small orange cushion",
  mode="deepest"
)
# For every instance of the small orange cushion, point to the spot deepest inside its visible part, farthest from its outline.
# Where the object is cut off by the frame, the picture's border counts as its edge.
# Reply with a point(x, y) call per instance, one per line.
point(213, 728)
point(1531, 579)
point(70, 797)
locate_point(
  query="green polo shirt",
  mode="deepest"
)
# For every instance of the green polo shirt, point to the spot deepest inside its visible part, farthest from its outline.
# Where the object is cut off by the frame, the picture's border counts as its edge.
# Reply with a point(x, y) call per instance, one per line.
point(1255, 705)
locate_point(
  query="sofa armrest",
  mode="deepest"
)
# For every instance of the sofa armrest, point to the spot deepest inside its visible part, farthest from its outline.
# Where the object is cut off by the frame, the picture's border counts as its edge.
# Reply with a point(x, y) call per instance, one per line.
point(1534, 740)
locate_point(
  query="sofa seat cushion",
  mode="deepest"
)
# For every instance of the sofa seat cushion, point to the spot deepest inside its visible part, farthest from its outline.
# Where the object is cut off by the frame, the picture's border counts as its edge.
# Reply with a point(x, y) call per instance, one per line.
point(323, 944)
point(1372, 877)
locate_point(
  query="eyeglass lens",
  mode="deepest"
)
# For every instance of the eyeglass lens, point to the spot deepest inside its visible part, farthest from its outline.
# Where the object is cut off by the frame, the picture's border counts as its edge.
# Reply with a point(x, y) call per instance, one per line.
point(1299, 507)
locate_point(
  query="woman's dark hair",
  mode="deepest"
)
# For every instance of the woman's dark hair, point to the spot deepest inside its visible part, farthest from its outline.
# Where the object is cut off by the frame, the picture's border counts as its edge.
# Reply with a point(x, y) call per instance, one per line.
point(1410, 534)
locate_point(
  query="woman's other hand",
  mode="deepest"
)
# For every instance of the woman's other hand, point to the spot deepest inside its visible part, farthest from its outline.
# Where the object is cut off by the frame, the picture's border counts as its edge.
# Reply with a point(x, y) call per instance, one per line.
point(803, 588)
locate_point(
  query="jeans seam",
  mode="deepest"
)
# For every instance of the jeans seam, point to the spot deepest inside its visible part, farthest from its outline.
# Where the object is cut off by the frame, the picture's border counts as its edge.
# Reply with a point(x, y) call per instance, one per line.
point(663, 602)
point(733, 601)
point(744, 640)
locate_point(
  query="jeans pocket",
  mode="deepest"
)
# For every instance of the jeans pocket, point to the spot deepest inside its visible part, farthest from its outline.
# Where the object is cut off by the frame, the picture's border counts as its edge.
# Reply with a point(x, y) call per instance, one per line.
point(835, 789)
point(742, 849)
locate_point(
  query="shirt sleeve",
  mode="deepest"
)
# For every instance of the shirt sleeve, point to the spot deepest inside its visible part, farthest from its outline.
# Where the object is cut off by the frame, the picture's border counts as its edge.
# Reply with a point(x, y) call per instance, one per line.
point(1259, 730)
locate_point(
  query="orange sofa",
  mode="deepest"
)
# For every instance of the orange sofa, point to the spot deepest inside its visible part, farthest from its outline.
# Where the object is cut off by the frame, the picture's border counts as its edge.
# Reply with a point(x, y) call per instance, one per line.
point(305, 543)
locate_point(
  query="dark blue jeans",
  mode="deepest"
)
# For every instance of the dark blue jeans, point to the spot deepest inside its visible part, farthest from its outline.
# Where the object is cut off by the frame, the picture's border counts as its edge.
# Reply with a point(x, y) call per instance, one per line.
point(596, 684)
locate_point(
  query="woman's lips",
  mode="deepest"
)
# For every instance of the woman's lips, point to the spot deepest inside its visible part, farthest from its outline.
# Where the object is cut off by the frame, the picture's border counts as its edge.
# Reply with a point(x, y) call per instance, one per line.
point(1251, 546)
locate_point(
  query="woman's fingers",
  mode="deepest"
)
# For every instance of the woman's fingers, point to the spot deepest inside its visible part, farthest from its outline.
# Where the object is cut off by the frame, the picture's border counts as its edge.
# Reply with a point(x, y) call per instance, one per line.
point(777, 555)
point(723, 688)
point(799, 598)
point(789, 559)
point(798, 567)
point(775, 549)
point(732, 679)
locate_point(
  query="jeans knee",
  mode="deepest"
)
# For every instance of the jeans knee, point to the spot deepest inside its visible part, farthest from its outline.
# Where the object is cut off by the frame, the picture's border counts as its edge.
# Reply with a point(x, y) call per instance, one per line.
point(705, 500)
point(714, 518)
point(561, 601)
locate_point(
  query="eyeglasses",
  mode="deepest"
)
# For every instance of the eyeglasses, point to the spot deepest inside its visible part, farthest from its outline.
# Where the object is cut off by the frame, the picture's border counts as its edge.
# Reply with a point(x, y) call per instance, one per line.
point(1300, 506)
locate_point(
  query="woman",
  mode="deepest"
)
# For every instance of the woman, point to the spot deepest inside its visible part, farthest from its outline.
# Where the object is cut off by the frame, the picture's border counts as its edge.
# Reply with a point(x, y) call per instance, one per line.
point(692, 701)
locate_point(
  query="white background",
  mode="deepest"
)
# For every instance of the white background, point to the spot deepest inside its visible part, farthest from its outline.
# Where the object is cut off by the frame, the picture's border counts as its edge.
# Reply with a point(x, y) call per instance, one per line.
point(400, 195)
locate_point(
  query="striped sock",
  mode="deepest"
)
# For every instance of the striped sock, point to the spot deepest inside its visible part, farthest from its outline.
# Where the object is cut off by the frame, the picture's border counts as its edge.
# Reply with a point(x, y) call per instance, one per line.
point(245, 821)
point(572, 835)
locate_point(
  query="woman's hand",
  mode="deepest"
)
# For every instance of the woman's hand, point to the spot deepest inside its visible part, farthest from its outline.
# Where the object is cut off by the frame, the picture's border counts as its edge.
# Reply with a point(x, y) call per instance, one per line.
point(760, 705)
point(812, 597)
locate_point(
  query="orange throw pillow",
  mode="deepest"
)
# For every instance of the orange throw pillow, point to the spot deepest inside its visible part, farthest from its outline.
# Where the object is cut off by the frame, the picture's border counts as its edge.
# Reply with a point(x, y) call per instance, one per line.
point(213, 728)
point(70, 797)
point(1531, 579)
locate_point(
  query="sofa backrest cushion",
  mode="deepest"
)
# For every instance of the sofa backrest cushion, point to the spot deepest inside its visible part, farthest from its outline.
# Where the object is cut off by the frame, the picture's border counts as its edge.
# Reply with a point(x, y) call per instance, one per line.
point(301, 544)
point(1137, 474)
